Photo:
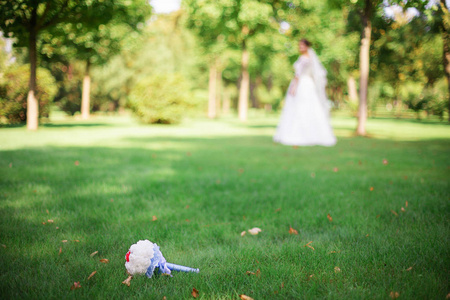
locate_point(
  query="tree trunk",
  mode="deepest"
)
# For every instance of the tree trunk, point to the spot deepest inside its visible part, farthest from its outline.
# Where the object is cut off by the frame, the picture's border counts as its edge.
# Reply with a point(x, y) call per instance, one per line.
point(218, 92)
point(212, 91)
point(446, 50)
point(32, 101)
point(352, 90)
point(245, 84)
point(364, 66)
point(85, 98)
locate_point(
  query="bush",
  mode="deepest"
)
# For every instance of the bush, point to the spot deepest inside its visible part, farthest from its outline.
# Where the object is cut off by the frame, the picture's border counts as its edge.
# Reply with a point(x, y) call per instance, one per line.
point(14, 92)
point(161, 99)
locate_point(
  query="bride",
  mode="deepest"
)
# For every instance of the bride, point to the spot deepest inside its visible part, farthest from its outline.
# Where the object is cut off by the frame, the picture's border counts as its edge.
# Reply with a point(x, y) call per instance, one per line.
point(305, 119)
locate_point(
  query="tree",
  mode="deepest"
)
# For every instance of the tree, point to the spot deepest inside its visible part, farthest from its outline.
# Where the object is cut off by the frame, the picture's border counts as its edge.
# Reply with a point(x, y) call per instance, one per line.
point(24, 20)
point(96, 38)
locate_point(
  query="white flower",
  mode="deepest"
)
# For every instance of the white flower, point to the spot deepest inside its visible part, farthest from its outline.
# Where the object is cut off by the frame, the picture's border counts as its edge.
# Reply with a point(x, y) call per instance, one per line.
point(139, 257)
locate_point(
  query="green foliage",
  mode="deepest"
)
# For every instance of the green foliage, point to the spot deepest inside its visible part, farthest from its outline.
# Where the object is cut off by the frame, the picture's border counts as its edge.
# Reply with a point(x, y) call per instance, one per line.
point(14, 91)
point(161, 99)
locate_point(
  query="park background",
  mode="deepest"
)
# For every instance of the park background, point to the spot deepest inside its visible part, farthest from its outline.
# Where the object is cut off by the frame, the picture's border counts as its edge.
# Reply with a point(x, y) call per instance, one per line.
point(124, 121)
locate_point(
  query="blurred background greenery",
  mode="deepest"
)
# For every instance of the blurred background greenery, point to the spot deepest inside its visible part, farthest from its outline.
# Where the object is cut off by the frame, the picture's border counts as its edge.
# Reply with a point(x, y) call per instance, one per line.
point(124, 55)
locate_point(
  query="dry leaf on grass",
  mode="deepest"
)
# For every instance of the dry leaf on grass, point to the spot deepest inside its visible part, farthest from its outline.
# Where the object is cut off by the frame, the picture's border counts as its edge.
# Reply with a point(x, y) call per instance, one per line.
point(394, 295)
point(309, 246)
point(128, 280)
point(3, 245)
point(195, 293)
point(254, 231)
point(403, 209)
point(94, 253)
point(406, 204)
point(385, 162)
point(409, 269)
point(448, 296)
point(335, 169)
point(329, 218)
point(396, 214)
point(47, 211)
point(243, 233)
point(245, 297)
point(75, 285)
point(104, 260)
point(164, 298)
point(278, 209)
point(50, 221)
point(60, 250)
point(77, 163)
point(337, 269)
point(292, 230)
point(154, 218)
point(249, 273)
point(371, 188)
point(76, 241)
point(282, 285)
point(258, 272)
point(92, 274)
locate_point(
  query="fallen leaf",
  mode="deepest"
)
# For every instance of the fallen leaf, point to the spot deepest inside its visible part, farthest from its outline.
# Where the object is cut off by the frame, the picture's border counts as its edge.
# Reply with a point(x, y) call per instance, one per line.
point(127, 281)
point(396, 214)
point(187, 220)
point(403, 209)
point(57, 227)
point(254, 231)
point(64, 241)
point(249, 273)
point(43, 223)
point(292, 230)
point(409, 269)
point(367, 235)
point(278, 209)
point(405, 177)
point(186, 207)
point(164, 298)
point(92, 274)
point(4, 246)
point(282, 285)
point(76, 241)
point(335, 169)
point(194, 293)
point(47, 211)
point(94, 253)
point(75, 285)
point(394, 295)
point(10, 165)
point(60, 250)
point(104, 260)
point(385, 161)
point(406, 204)
point(50, 221)
point(245, 297)
point(378, 216)
point(359, 162)
point(337, 269)
point(154, 218)
point(332, 252)
point(243, 233)
point(448, 296)
point(313, 174)
point(329, 218)
point(258, 272)
point(371, 188)
point(77, 163)
point(309, 246)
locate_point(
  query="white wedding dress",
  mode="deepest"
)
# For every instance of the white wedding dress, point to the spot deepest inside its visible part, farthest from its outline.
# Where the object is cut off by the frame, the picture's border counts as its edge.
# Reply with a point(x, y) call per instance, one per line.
point(305, 119)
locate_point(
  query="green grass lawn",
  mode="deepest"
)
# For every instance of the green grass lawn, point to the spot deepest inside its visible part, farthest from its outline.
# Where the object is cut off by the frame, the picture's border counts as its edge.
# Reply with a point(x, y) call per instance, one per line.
point(101, 182)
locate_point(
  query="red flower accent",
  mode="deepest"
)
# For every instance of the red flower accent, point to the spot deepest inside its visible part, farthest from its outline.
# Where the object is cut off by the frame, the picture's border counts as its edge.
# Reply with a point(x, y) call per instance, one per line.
point(127, 257)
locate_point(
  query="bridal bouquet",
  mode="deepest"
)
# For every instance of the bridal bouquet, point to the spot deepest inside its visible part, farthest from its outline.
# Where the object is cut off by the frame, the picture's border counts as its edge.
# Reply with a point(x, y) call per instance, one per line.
point(144, 257)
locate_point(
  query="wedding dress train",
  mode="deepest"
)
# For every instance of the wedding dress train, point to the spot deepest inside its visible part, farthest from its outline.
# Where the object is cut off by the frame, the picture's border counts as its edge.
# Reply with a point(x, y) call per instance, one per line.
point(305, 119)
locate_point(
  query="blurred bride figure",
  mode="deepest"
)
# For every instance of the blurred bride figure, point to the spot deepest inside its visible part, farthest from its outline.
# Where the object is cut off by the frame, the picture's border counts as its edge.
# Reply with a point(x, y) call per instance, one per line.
point(305, 119)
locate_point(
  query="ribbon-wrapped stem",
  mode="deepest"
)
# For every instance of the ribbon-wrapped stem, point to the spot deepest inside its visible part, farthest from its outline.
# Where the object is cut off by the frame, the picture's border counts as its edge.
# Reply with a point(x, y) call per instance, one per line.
point(180, 268)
